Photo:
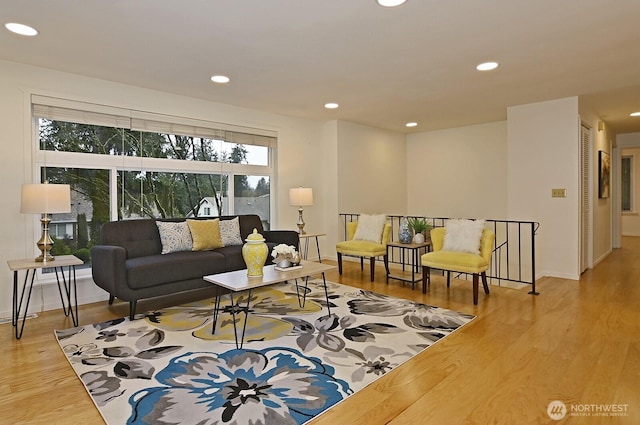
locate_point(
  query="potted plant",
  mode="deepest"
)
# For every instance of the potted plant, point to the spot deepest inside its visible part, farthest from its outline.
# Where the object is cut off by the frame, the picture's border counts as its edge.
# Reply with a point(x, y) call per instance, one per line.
point(420, 227)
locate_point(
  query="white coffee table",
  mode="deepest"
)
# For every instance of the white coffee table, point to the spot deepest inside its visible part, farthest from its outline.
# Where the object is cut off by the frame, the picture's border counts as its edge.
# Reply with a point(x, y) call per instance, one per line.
point(237, 281)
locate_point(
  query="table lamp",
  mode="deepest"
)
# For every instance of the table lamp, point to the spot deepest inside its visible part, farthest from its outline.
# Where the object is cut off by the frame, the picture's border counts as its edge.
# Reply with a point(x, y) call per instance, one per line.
point(45, 199)
point(300, 197)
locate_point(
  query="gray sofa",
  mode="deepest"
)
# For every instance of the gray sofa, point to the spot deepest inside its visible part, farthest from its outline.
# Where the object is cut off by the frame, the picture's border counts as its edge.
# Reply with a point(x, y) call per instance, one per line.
point(129, 265)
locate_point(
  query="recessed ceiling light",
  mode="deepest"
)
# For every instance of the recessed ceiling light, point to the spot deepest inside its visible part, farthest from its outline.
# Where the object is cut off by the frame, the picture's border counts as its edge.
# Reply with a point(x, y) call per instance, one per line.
point(390, 3)
point(411, 124)
point(21, 29)
point(487, 66)
point(221, 79)
point(635, 114)
point(331, 105)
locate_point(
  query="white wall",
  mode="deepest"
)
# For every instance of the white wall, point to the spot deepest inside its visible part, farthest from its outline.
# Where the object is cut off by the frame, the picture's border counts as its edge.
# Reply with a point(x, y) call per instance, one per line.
point(458, 172)
point(372, 170)
point(331, 206)
point(543, 153)
point(300, 159)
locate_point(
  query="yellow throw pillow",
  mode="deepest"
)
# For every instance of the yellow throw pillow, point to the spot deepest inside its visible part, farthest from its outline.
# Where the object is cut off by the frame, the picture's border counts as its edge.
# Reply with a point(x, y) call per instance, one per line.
point(205, 234)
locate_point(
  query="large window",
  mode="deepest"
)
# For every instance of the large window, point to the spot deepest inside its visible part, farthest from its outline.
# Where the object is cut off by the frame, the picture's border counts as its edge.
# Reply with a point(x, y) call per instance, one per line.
point(123, 164)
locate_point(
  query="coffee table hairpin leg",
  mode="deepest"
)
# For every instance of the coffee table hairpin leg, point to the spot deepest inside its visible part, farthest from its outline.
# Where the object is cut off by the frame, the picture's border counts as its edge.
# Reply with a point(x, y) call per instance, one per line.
point(216, 313)
point(216, 310)
point(302, 301)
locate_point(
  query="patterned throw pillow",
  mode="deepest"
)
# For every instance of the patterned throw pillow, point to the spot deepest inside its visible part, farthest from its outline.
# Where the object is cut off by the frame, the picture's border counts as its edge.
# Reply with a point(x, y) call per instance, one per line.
point(230, 232)
point(205, 234)
point(463, 235)
point(174, 236)
point(370, 227)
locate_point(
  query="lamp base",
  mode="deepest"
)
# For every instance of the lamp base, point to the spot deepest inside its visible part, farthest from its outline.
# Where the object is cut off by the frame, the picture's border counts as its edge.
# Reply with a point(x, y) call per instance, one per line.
point(45, 243)
point(42, 258)
point(300, 222)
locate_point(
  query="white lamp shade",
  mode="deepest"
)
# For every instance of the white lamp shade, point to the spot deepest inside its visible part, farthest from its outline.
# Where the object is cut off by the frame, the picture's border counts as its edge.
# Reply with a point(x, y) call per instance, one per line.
point(45, 198)
point(301, 196)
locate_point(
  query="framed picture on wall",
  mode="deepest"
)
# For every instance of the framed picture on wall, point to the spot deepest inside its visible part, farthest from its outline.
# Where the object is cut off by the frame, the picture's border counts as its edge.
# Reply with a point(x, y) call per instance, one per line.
point(604, 173)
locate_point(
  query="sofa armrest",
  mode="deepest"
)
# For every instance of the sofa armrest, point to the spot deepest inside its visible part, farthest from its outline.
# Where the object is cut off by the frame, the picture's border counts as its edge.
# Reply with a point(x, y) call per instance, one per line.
point(109, 269)
point(288, 237)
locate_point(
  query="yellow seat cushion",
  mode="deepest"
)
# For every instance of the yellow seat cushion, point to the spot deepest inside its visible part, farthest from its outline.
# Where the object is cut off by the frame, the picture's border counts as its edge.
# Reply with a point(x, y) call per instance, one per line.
point(361, 248)
point(455, 261)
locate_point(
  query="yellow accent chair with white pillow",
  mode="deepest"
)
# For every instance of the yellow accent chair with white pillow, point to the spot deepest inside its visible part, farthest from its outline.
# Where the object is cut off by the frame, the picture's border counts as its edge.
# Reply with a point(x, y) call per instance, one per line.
point(365, 248)
point(449, 261)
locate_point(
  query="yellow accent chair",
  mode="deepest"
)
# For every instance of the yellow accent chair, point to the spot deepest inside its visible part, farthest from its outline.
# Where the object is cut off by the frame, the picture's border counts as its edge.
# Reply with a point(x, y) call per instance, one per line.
point(460, 262)
point(364, 248)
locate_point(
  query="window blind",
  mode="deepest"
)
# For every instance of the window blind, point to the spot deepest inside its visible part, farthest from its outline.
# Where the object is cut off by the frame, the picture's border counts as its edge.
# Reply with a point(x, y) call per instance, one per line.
point(89, 113)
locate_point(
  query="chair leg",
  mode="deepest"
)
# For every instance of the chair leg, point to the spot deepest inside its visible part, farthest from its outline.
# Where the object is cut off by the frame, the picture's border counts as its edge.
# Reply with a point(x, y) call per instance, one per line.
point(484, 282)
point(448, 278)
point(386, 263)
point(361, 263)
point(372, 263)
point(426, 278)
point(475, 288)
point(111, 299)
point(339, 263)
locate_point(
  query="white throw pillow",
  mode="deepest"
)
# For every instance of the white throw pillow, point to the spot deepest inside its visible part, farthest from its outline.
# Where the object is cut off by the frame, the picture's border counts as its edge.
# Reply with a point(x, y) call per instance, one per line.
point(370, 227)
point(175, 236)
point(463, 235)
point(230, 232)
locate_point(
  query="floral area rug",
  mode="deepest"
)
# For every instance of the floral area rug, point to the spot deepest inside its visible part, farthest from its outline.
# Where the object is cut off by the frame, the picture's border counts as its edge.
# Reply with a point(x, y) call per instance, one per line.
point(167, 368)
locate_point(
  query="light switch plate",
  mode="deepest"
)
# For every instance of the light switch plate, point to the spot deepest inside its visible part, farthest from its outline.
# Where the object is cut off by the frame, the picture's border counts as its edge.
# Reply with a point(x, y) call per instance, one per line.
point(558, 193)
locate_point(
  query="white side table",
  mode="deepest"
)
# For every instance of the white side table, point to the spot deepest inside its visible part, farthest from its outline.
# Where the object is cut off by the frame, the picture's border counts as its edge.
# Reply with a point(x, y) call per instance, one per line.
point(30, 267)
point(306, 237)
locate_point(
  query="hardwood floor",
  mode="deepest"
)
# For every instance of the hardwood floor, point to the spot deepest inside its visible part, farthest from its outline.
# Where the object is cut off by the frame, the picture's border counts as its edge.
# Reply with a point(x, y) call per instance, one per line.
point(578, 342)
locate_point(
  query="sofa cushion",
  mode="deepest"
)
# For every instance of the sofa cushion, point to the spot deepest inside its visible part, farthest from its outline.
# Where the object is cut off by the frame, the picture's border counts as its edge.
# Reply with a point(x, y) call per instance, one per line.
point(174, 236)
point(248, 222)
point(232, 257)
point(153, 270)
point(138, 237)
point(205, 234)
point(230, 232)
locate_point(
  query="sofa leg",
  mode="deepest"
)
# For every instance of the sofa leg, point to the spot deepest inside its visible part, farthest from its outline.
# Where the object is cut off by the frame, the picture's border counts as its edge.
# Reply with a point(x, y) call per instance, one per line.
point(484, 282)
point(361, 263)
point(448, 278)
point(475, 288)
point(372, 263)
point(339, 263)
point(111, 299)
point(132, 309)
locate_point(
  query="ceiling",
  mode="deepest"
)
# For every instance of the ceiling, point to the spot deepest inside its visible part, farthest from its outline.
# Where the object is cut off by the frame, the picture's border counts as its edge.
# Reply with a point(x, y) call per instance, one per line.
point(384, 66)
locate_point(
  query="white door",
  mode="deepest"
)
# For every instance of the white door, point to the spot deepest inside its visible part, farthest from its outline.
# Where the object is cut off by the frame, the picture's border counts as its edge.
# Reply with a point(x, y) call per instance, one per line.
point(585, 210)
